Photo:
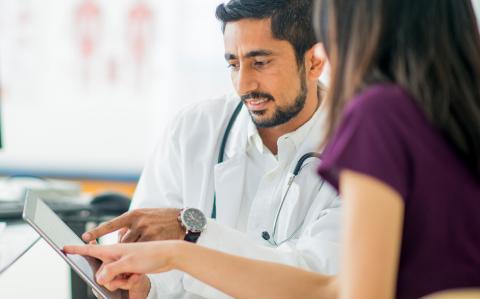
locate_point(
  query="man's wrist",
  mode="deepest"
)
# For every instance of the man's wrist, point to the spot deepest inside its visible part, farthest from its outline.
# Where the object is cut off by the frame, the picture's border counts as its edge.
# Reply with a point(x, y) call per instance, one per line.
point(182, 230)
point(193, 221)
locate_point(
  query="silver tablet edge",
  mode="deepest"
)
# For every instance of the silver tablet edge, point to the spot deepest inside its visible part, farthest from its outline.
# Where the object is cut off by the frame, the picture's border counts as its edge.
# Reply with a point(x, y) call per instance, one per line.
point(64, 257)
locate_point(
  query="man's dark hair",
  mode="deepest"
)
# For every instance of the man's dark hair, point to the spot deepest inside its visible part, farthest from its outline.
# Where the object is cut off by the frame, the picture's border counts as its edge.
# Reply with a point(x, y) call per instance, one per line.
point(291, 20)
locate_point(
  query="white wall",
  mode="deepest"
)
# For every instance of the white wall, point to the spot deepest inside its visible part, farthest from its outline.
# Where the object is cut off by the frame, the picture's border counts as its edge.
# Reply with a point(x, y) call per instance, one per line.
point(66, 112)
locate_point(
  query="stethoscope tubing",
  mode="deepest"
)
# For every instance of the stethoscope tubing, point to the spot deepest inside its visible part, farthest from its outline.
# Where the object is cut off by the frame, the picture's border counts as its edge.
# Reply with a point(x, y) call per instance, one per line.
point(291, 179)
point(296, 171)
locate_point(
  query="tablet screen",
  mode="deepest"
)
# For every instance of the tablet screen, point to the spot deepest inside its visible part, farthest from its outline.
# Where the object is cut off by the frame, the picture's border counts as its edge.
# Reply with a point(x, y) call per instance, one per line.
point(58, 234)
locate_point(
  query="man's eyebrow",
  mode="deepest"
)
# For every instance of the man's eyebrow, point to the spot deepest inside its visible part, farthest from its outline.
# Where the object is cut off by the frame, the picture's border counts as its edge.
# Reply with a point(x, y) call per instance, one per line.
point(253, 53)
point(230, 56)
point(256, 53)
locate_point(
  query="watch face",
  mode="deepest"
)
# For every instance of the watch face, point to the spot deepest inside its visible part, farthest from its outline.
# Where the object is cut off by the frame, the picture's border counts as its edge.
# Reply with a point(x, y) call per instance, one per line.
point(194, 220)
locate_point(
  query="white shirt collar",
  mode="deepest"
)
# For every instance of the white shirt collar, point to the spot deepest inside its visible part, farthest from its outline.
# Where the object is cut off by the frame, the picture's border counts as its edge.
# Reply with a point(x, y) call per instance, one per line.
point(298, 136)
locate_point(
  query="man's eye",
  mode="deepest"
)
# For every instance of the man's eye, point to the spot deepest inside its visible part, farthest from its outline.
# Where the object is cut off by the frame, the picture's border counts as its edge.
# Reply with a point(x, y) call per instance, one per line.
point(233, 66)
point(261, 63)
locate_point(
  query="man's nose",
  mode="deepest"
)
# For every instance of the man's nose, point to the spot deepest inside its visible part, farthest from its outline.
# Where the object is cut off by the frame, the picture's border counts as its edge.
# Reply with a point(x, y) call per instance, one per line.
point(246, 81)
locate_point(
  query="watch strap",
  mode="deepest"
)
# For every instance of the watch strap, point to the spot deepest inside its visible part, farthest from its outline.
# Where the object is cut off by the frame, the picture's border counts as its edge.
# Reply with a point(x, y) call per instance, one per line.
point(192, 236)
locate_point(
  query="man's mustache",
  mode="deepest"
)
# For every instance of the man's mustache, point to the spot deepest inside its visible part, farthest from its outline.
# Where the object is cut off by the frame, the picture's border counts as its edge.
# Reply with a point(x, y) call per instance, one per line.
point(257, 95)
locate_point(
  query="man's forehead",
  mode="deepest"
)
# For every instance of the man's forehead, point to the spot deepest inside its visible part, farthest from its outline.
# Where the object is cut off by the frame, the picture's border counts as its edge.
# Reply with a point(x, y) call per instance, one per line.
point(264, 25)
point(251, 35)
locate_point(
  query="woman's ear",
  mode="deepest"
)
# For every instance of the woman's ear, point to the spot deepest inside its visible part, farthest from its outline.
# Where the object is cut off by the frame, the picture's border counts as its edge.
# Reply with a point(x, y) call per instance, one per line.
point(316, 59)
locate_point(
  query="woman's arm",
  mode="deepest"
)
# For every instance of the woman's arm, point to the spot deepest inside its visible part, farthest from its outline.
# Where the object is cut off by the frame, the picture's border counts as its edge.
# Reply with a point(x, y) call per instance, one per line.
point(246, 278)
point(372, 237)
point(236, 276)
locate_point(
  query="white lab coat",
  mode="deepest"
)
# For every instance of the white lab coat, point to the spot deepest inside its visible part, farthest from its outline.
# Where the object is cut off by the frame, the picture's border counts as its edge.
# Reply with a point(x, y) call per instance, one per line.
point(183, 172)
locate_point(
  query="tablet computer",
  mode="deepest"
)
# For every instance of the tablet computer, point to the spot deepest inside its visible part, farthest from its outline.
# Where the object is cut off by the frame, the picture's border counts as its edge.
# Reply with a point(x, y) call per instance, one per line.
point(57, 234)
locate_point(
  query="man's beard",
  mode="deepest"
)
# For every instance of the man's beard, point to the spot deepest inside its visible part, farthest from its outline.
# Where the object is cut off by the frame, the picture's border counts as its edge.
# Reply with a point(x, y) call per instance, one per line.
point(281, 115)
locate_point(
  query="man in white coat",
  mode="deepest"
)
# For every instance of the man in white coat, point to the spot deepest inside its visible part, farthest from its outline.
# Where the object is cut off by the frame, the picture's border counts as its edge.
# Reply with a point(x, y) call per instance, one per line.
point(242, 191)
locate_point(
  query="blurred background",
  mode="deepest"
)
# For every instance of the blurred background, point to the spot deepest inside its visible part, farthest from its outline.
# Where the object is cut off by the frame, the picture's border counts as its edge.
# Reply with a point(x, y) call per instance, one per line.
point(88, 85)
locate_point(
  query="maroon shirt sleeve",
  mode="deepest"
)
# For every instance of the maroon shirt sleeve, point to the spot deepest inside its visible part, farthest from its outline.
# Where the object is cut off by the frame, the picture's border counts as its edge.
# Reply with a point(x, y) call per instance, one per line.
point(372, 139)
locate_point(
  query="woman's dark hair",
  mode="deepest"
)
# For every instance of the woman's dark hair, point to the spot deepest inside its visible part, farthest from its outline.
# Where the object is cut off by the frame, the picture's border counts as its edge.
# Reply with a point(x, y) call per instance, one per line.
point(430, 48)
point(291, 20)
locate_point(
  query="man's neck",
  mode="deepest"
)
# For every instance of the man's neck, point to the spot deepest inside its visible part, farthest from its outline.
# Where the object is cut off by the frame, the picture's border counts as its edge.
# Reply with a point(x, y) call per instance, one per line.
point(270, 136)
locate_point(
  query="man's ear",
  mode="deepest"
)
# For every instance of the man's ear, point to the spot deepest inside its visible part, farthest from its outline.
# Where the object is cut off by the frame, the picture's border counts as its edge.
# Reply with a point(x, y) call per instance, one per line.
point(315, 60)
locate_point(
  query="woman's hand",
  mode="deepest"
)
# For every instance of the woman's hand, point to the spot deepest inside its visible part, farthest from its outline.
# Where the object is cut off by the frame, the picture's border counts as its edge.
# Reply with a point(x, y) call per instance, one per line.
point(124, 264)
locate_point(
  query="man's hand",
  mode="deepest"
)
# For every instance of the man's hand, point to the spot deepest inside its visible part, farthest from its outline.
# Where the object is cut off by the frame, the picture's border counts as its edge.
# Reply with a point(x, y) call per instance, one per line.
point(142, 225)
point(141, 289)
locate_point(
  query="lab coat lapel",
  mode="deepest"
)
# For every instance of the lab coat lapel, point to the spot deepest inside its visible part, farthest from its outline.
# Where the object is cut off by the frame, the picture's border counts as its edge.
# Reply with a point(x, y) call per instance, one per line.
point(229, 181)
point(230, 174)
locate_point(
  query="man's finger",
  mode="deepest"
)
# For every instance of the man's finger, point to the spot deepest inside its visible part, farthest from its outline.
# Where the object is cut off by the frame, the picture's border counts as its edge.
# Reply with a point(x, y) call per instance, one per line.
point(132, 280)
point(96, 251)
point(108, 227)
point(112, 270)
point(110, 286)
point(131, 236)
point(122, 233)
point(120, 282)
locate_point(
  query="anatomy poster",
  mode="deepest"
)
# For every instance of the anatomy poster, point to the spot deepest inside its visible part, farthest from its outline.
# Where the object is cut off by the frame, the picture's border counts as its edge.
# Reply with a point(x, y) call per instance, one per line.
point(90, 85)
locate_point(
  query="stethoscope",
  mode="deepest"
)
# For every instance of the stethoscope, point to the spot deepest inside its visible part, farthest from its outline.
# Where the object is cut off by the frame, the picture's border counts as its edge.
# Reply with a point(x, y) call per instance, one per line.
point(298, 167)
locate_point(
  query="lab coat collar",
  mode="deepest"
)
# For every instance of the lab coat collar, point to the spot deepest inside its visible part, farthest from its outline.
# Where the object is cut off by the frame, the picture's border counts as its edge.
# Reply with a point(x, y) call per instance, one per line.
point(299, 136)
point(253, 137)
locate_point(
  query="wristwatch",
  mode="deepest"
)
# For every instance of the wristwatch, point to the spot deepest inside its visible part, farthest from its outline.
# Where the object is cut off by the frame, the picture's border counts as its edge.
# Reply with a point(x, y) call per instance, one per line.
point(194, 222)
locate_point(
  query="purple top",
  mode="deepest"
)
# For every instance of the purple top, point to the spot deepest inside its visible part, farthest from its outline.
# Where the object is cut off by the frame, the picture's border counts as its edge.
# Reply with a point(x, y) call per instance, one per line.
point(385, 135)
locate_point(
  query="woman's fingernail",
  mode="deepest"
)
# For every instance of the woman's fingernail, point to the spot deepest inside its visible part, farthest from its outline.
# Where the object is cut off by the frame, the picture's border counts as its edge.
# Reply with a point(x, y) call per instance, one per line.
point(86, 236)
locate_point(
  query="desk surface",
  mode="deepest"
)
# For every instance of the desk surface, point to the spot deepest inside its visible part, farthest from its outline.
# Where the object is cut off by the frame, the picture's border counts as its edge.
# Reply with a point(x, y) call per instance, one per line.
point(40, 273)
point(16, 239)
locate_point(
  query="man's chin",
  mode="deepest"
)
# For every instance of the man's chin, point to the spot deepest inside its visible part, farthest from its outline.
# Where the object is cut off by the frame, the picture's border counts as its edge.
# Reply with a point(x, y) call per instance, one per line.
point(258, 114)
point(261, 121)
